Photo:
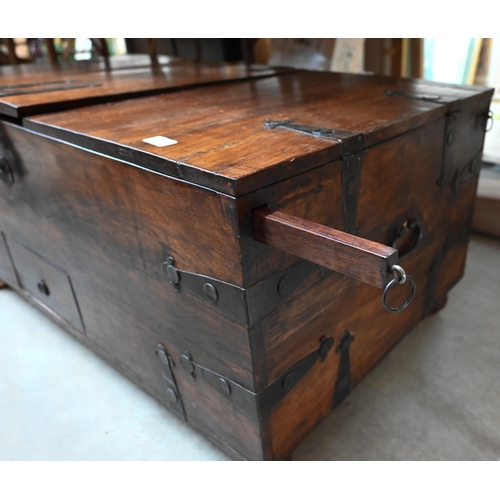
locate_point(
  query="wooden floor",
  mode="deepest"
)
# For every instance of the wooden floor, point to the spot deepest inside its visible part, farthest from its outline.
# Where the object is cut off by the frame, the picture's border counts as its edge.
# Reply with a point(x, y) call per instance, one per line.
point(435, 397)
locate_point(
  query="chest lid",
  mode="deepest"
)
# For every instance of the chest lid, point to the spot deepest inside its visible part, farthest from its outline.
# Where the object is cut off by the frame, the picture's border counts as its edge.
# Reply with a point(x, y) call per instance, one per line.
point(10, 74)
point(241, 136)
point(29, 89)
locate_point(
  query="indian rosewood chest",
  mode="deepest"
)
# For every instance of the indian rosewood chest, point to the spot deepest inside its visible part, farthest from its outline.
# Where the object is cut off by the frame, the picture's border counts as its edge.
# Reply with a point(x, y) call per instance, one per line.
point(239, 249)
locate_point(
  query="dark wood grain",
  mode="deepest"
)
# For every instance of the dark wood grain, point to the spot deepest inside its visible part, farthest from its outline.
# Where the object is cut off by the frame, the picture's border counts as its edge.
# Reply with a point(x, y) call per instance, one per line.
point(103, 210)
point(114, 258)
point(147, 216)
point(356, 257)
point(46, 282)
point(103, 86)
point(292, 196)
point(221, 139)
point(40, 72)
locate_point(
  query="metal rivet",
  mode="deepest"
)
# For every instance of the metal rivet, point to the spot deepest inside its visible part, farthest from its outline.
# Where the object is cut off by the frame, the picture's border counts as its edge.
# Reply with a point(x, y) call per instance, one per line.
point(290, 380)
point(172, 274)
point(160, 352)
point(171, 395)
point(43, 288)
point(187, 364)
point(224, 386)
point(344, 383)
point(450, 137)
point(324, 348)
point(210, 293)
point(285, 285)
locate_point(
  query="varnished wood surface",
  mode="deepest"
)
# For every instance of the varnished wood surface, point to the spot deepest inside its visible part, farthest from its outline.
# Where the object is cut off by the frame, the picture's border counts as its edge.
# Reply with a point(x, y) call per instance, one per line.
point(112, 237)
point(24, 97)
point(345, 253)
point(222, 142)
point(340, 304)
point(57, 291)
point(109, 225)
point(140, 217)
point(46, 71)
point(292, 196)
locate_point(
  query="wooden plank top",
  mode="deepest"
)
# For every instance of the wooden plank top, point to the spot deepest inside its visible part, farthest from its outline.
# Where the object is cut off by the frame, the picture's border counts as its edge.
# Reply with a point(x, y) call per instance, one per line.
point(57, 87)
point(222, 140)
point(12, 73)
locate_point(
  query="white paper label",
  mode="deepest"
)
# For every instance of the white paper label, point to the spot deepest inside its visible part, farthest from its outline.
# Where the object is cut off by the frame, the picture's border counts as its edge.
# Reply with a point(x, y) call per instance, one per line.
point(159, 141)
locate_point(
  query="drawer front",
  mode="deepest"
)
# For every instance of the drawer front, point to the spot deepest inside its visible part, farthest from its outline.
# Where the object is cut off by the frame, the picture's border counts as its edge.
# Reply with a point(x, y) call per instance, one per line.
point(47, 283)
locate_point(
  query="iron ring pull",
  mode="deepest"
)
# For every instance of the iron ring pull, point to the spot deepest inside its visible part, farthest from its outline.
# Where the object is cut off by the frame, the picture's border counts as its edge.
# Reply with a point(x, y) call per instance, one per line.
point(400, 277)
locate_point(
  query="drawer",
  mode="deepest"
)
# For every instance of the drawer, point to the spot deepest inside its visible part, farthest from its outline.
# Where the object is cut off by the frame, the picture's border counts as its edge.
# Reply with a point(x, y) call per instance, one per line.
point(47, 283)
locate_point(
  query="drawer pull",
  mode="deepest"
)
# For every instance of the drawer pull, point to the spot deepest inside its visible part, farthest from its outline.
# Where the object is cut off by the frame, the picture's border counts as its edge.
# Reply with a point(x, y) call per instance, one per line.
point(362, 259)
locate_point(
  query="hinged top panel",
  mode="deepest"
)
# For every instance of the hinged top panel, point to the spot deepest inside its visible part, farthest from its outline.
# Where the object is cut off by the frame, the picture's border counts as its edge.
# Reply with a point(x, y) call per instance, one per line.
point(25, 91)
point(219, 136)
point(10, 74)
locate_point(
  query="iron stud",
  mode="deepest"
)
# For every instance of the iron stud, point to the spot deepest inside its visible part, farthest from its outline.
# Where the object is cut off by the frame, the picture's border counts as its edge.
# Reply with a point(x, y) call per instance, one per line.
point(290, 380)
point(210, 293)
point(187, 364)
point(171, 395)
point(224, 387)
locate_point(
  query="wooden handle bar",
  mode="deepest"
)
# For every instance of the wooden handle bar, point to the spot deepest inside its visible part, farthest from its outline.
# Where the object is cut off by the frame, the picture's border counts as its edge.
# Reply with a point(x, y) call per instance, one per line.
point(356, 257)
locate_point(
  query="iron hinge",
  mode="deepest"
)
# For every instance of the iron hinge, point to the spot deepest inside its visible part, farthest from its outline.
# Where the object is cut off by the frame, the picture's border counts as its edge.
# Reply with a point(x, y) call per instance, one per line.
point(241, 397)
point(227, 298)
point(262, 402)
point(271, 395)
point(416, 96)
point(173, 397)
point(343, 384)
point(250, 305)
point(467, 172)
point(352, 142)
point(268, 294)
point(351, 184)
point(449, 139)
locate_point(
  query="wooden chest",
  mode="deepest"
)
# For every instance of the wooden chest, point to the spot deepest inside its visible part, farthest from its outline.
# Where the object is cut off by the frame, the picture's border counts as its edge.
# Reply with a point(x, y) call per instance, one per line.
point(234, 266)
